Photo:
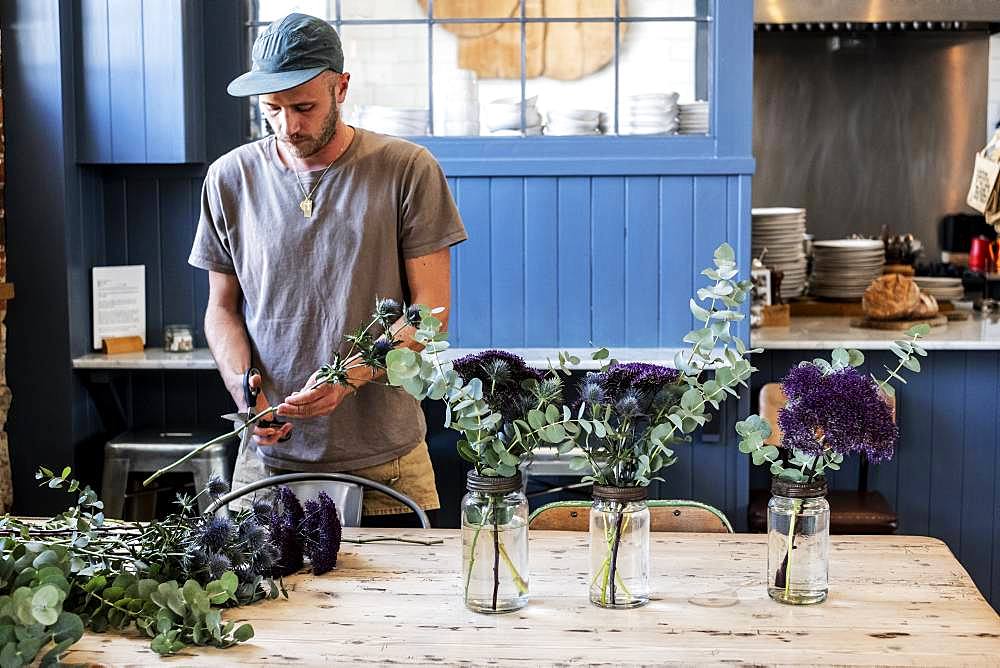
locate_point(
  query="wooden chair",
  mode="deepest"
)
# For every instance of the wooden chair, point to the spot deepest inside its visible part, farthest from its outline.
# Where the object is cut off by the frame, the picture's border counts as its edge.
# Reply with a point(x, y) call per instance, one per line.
point(666, 515)
point(857, 511)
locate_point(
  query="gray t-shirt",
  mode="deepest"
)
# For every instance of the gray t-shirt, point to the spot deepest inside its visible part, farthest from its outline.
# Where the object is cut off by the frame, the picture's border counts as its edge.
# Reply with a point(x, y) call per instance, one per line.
point(307, 282)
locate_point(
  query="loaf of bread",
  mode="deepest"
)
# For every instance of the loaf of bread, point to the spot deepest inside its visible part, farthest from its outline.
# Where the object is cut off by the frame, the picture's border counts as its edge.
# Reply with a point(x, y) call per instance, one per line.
point(890, 297)
point(927, 308)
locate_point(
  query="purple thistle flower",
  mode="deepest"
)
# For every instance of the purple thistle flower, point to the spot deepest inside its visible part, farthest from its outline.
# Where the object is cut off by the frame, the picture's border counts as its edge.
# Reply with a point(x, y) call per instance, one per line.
point(413, 315)
point(253, 535)
point(591, 392)
point(217, 486)
point(501, 374)
point(382, 347)
point(844, 411)
point(218, 564)
point(216, 533)
point(630, 404)
point(261, 509)
point(639, 376)
point(388, 310)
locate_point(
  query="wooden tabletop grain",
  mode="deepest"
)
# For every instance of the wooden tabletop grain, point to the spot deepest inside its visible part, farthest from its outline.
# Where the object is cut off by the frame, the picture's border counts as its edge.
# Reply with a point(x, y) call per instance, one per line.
point(894, 600)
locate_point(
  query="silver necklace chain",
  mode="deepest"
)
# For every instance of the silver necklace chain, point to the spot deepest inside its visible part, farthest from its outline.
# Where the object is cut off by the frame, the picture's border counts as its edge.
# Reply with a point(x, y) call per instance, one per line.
point(307, 196)
point(307, 201)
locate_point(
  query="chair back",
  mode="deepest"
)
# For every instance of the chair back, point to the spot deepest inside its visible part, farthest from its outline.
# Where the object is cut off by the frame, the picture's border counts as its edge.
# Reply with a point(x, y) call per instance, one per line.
point(345, 479)
point(772, 399)
point(664, 515)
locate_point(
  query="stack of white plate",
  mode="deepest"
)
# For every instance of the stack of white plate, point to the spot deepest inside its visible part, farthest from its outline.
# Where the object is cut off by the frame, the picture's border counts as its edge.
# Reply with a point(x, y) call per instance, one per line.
point(941, 288)
point(779, 231)
point(693, 118)
point(393, 120)
point(573, 122)
point(648, 114)
point(844, 268)
point(457, 113)
point(503, 116)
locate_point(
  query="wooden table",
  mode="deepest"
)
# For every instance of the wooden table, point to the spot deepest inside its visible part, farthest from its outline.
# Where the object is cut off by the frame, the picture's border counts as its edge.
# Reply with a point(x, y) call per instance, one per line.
point(895, 600)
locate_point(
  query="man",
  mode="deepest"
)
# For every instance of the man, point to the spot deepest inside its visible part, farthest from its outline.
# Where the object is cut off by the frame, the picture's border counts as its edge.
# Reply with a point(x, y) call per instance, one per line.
point(300, 233)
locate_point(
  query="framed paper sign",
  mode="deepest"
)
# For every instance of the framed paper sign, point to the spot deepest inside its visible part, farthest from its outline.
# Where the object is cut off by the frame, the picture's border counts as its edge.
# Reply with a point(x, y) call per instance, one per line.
point(119, 295)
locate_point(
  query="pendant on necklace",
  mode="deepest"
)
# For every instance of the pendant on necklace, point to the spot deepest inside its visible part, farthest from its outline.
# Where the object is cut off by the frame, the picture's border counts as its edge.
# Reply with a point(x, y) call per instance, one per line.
point(307, 207)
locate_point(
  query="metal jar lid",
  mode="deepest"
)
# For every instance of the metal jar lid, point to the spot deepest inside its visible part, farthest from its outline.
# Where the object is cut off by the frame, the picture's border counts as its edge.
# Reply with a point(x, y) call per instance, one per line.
point(620, 494)
point(492, 484)
point(799, 490)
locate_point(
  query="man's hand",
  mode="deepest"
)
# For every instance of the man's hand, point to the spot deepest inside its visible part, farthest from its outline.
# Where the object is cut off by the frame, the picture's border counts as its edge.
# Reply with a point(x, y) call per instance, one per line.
point(266, 435)
point(307, 402)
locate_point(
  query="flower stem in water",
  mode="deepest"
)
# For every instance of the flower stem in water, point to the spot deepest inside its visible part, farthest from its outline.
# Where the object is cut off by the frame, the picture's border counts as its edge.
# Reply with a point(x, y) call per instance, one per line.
point(614, 557)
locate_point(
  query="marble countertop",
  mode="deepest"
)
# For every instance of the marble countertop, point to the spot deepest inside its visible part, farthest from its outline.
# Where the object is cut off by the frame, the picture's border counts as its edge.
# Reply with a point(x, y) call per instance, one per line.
point(154, 359)
point(825, 333)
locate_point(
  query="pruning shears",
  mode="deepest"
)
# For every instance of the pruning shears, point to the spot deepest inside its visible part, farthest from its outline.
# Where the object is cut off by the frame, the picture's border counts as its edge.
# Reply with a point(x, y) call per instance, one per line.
point(250, 395)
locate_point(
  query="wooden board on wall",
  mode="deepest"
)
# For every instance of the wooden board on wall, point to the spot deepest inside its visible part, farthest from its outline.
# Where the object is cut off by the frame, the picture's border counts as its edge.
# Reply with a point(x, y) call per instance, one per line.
point(565, 51)
point(575, 50)
point(471, 9)
point(498, 54)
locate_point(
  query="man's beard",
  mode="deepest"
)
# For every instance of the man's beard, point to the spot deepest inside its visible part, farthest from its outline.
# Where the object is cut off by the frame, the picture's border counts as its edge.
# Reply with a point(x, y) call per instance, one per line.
point(304, 146)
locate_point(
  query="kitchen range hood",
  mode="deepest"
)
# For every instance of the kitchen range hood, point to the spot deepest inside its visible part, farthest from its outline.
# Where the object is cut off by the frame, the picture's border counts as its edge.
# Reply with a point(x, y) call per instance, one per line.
point(877, 15)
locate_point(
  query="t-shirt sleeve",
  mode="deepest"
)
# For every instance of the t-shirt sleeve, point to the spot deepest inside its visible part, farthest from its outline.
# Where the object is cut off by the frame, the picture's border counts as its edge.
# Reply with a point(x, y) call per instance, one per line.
point(210, 249)
point(429, 219)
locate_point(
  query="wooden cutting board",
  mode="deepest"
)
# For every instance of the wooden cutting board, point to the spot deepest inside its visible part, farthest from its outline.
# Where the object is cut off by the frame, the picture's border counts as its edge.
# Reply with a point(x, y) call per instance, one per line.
point(575, 50)
point(497, 55)
point(866, 323)
point(471, 9)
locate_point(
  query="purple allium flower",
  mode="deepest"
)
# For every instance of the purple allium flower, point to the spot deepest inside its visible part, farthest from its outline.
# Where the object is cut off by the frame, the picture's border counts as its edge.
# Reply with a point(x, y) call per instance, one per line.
point(216, 533)
point(217, 486)
point(640, 376)
point(501, 374)
point(321, 533)
point(286, 521)
point(218, 564)
point(844, 411)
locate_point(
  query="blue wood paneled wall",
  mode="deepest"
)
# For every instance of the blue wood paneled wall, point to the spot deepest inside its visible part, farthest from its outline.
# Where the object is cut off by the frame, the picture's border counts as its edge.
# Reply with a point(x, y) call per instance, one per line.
point(943, 480)
point(571, 260)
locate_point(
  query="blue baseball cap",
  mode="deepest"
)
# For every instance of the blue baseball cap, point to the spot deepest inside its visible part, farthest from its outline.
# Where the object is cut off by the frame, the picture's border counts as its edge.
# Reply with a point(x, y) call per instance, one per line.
point(289, 53)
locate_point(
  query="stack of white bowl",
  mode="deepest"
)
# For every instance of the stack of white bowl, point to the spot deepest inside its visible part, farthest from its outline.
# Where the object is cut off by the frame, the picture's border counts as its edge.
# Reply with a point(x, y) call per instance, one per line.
point(573, 122)
point(844, 268)
point(694, 118)
point(456, 112)
point(503, 117)
point(393, 120)
point(648, 114)
point(941, 288)
point(779, 231)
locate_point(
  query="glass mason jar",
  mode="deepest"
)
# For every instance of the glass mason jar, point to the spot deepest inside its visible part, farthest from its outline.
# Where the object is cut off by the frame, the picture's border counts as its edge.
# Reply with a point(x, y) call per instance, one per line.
point(494, 544)
point(619, 547)
point(798, 542)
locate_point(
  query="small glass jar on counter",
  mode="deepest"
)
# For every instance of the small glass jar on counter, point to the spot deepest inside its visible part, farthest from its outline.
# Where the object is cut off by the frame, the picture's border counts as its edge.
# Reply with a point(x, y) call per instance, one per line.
point(178, 339)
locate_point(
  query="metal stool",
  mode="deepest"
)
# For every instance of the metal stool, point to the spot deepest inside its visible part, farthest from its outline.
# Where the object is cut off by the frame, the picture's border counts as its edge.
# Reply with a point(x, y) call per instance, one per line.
point(148, 450)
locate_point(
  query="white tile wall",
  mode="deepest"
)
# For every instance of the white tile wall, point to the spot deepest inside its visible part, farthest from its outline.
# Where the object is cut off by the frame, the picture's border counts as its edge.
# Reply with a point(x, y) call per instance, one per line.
point(388, 64)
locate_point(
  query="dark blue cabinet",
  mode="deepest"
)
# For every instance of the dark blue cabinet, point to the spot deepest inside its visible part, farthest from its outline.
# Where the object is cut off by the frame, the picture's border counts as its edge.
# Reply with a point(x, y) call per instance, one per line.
point(139, 83)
